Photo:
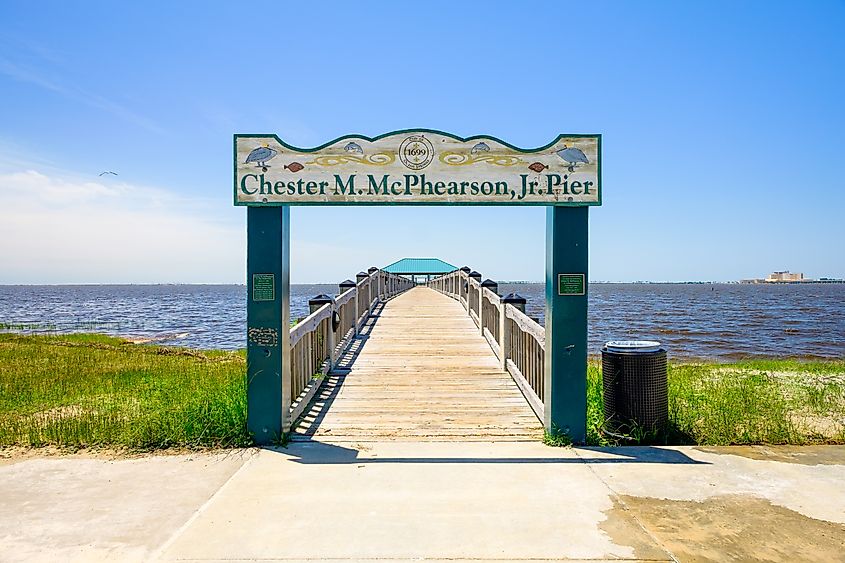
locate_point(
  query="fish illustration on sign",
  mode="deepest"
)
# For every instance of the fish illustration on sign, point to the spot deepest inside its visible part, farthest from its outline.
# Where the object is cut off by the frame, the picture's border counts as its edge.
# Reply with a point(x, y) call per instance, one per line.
point(480, 147)
point(260, 156)
point(294, 167)
point(538, 167)
point(353, 147)
point(572, 156)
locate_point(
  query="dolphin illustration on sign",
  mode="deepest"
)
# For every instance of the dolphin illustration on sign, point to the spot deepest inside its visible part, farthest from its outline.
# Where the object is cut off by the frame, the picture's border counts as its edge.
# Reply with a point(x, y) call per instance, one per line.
point(480, 147)
point(260, 156)
point(353, 147)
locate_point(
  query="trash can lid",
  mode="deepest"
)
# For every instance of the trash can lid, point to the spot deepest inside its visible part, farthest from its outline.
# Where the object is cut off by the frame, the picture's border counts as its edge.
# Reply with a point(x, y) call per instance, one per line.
point(633, 346)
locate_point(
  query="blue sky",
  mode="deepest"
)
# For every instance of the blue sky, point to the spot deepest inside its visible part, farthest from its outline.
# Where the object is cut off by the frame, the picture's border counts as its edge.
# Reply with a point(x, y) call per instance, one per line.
point(722, 132)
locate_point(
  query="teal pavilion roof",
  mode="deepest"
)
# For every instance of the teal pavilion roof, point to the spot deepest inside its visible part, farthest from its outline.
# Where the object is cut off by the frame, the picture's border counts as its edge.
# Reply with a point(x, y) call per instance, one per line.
point(419, 266)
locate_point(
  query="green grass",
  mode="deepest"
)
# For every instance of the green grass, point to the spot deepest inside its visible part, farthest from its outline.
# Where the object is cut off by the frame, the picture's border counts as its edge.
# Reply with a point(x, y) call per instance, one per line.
point(26, 326)
point(556, 439)
point(91, 390)
point(85, 390)
point(749, 402)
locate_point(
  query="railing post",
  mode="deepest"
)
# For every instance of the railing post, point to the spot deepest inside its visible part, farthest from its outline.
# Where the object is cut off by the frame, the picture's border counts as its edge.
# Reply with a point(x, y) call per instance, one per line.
point(359, 312)
point(504, 334)
point(504, 337)
point(473, 275)
point(492, 286)
point(344, 286)
point(374, 295)
point(313, 305)
point(463, 285)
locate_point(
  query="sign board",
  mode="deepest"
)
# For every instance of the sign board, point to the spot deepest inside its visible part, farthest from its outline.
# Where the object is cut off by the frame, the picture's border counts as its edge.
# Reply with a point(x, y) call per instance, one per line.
point(417, 167)
point(263, 287)
point(570, 284)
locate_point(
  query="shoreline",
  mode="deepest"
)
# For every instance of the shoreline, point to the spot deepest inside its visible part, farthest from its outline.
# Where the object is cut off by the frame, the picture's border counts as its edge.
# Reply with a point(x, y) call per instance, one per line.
point(165, 340)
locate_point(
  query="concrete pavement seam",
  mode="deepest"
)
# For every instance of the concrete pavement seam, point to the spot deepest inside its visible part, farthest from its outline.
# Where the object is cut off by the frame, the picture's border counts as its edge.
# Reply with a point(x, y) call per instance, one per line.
point(479, 559)
point(625, 507)
point(156, 555)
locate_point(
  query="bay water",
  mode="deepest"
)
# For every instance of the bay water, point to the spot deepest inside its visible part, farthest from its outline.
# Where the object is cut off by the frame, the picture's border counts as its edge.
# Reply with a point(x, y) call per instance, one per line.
point(708, 321)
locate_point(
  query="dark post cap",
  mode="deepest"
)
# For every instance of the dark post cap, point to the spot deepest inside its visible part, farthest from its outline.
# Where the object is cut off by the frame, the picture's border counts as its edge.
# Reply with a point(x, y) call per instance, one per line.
point(489, 283)
point(321, 299)
point(362, 275)
point(347, 284)
point(373, 269)
point(514, 298)
point(466, 269)
point(475, 275)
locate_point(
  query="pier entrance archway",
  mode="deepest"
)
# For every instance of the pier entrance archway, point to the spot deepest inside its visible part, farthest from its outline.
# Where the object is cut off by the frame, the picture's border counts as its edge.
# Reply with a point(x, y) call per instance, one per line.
point(416, 167)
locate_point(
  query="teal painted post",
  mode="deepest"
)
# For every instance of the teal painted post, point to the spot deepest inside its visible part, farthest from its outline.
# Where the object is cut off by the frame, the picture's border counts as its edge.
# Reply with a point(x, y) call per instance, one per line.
point(566, 324)
point(268, 323)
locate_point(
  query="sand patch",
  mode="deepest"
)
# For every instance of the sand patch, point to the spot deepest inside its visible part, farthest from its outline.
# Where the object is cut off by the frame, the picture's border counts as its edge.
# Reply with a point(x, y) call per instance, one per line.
point(734, 528)
point(804, 455)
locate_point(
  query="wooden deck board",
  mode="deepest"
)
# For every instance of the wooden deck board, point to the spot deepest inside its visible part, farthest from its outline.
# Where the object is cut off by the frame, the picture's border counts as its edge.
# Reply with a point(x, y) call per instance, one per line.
point(422, 372)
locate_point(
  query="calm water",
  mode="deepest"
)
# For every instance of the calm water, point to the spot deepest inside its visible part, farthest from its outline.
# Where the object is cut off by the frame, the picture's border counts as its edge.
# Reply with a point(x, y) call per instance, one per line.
point(721, 321)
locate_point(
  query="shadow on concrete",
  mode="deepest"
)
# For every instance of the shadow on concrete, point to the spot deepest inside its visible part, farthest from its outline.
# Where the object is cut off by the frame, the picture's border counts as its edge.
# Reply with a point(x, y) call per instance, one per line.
point(320, 453)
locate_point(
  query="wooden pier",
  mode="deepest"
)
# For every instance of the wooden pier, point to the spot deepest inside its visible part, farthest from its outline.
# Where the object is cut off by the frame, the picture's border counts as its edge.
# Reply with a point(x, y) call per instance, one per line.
point(421, 370)
point(387, 359)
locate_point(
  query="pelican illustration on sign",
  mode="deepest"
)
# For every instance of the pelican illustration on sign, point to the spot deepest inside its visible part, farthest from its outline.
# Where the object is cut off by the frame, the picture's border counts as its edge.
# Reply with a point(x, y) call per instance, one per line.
point(572, 156)
point(260, 156)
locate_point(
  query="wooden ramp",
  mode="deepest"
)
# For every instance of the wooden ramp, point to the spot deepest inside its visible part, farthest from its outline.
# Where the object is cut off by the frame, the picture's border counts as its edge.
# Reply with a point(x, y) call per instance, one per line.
point(420, 371)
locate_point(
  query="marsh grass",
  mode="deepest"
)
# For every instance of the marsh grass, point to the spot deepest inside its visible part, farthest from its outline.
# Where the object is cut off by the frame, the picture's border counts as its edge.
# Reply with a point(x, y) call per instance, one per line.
point(84, 390)
point(749, 402)
point(91, 390)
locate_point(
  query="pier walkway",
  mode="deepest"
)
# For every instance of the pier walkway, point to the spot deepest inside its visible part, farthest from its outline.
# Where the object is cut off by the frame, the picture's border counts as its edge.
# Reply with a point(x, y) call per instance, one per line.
point(421, 370)
point(388, 359)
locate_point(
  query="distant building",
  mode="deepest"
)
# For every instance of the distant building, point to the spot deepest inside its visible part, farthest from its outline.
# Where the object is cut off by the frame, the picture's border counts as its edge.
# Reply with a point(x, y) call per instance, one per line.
point(785, 276)
point(790, 277)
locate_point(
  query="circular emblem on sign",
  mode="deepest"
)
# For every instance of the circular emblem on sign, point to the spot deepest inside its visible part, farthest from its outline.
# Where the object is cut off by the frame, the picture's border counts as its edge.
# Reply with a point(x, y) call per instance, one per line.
point(416, 152)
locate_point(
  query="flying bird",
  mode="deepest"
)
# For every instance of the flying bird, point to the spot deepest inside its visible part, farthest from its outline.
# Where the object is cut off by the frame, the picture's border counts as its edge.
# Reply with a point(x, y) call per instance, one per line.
point(572, 156)
point(261, 155)
point(108, 172)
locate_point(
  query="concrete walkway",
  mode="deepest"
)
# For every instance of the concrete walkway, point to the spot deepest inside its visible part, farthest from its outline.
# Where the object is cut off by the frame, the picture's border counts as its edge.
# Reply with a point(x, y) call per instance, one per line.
point(429, 500)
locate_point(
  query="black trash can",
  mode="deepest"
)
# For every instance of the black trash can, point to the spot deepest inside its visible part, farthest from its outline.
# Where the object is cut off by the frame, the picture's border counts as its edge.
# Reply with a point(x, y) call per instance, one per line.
point(635, 385)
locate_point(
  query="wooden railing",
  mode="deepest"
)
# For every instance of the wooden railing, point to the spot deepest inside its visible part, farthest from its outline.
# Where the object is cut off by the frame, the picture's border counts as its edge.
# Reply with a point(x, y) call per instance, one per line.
point(517, 340)
point(318, 340)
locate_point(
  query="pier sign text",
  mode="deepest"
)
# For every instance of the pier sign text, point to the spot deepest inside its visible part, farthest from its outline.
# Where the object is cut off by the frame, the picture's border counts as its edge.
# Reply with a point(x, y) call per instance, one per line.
point(417, 167)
